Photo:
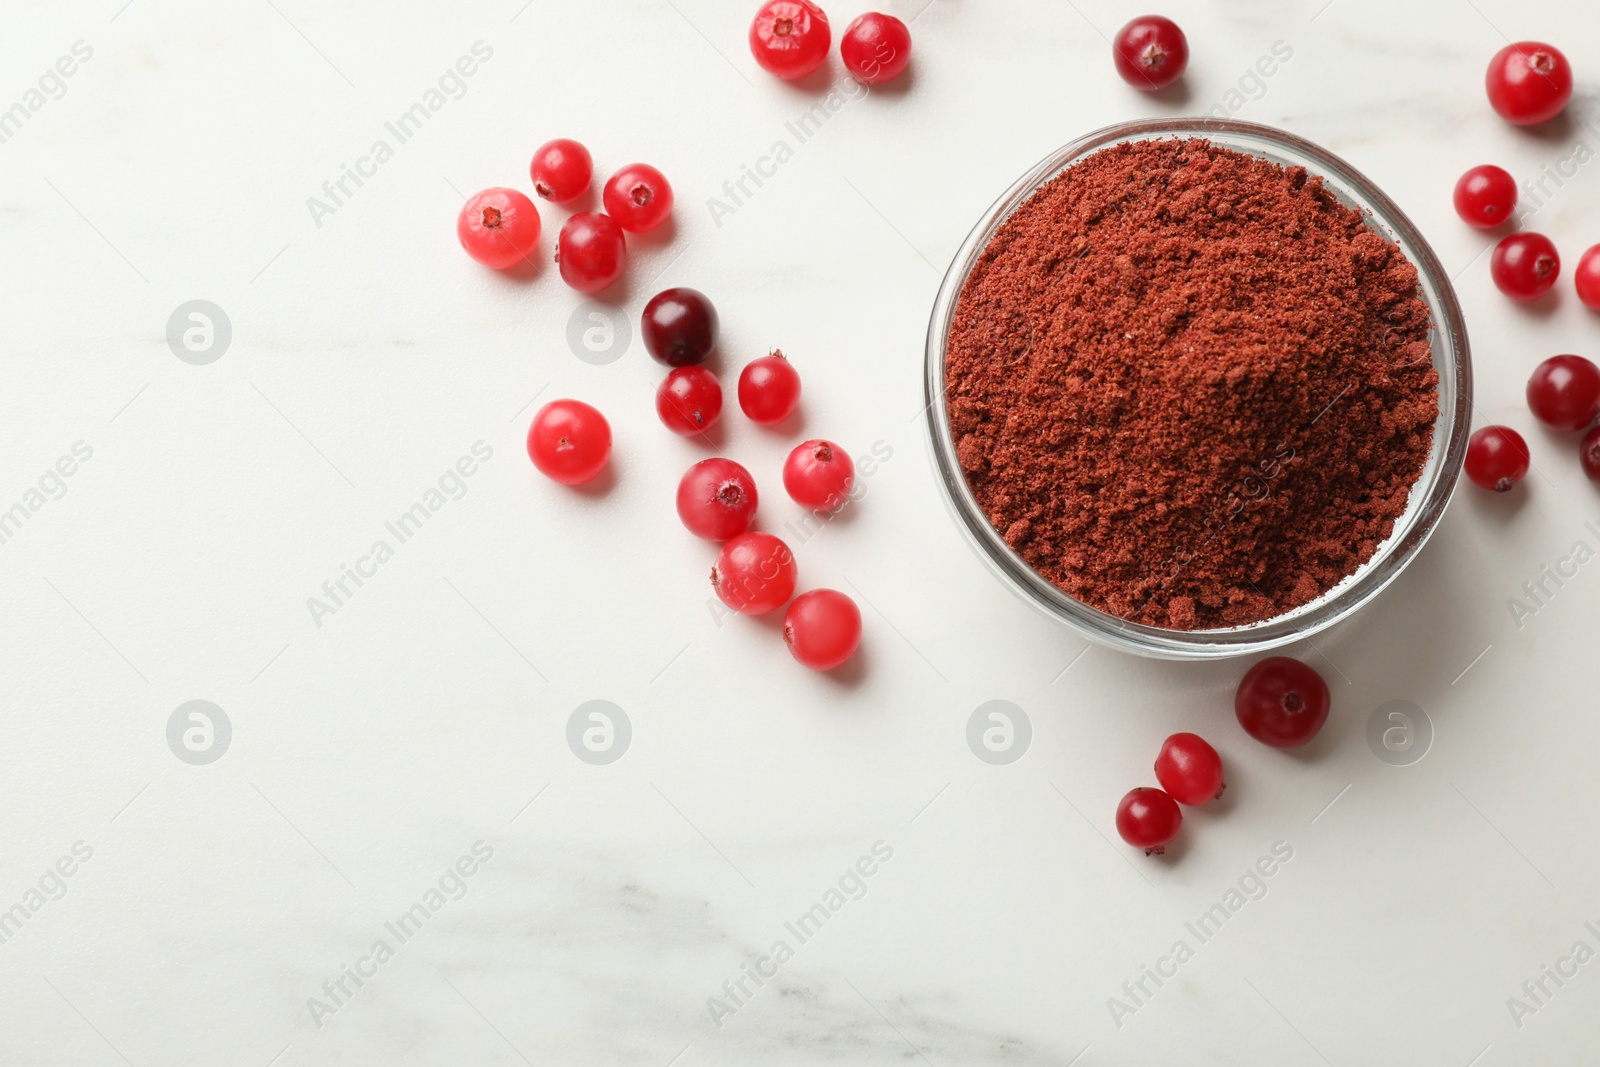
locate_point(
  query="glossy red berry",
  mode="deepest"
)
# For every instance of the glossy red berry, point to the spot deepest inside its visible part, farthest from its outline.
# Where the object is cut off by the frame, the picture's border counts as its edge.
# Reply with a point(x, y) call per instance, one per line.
point(1528, 82)
point(591, 251)
point(755, 574)
point(818, 474)
point(1589, 454)
point(769, 389)
point(638, 197)
point(1587, 279)
point(875, 48)
point(717, 499)
point(1525, 265)
point(822, 629)
point(1497, 458)
point(1281, 702)
point(1149, 819)
point(790, 38)
point(498, 227)
point(569, 441)
point(1564, 393)
point(679, 326)
point(561, 170)
point(1485, 197)
point(689, 401)
point(1189, 769)
point(1150, 52)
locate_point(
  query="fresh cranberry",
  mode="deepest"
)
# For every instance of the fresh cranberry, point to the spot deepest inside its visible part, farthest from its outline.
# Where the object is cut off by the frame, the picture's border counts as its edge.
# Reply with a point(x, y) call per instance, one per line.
point(1529, 82)
point(822, 628)
point(1525, 265)
point(717, 499)
point(875, 48)
point(561, 170)
point(639, 197)
point(1189, 769)
point(498, 227)
point(1150, 52)
point(1281, 702)
point(1587, 279)
point(1497, 458)
point(1149, 819)
point(569, 441)
point(790, 38)
point(1589, 454)
point(819, 474)
point(755, 573)
point(769, 389)
point(1485, 196)
point(1564, 393)
point(591, 251)
point(689, 400)
point(680, 326)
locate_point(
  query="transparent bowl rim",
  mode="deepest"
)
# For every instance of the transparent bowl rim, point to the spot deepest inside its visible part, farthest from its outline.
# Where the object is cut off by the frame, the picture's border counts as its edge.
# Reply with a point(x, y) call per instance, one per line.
point(1430, 494)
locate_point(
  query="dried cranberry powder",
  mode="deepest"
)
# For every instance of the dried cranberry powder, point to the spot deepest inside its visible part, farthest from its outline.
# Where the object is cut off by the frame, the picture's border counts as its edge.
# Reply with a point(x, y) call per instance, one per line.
point(1189, 386)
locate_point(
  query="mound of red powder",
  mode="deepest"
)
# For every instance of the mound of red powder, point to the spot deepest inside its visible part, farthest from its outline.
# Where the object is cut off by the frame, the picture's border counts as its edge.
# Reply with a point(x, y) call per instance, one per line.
point(1189, 386)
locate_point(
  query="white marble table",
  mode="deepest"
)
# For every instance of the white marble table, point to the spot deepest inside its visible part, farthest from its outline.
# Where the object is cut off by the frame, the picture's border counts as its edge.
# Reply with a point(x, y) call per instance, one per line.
point(230, 911)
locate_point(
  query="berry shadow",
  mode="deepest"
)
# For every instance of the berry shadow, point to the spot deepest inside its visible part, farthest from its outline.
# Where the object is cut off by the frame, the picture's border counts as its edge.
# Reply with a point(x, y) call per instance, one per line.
point(851, 673)
point(588, 200)
point(601, 484)
point(1498, 508)
point(1176, 849)
point(898, 86)
point(654, 240)
point(617, 294)
point(1542, 308)
point(1176, 95)
point(793, 426)
point(1557, 132)
point(531, 269)
point(715, 436)
point(817, 83)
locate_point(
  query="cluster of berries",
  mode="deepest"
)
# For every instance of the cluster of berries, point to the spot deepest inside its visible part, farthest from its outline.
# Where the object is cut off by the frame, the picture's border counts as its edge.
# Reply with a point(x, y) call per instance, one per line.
point(1280, 702)
point(570, 442)
point(499, 227)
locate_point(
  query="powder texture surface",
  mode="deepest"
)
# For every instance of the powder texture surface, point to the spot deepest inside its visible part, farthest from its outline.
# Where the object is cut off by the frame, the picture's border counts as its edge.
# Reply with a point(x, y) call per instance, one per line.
point(1189, 386)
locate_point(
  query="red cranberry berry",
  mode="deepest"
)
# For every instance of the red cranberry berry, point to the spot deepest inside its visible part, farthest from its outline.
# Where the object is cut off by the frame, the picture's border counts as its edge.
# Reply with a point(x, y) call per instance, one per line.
point(498, 227)
point(1587, 279)
point(1528, 82)
point(1564, 393)
point(755, 573)
point(1589, 454)
point(1189, 769)
point(591, 251)
point(819, 474)
point(1281, 702)
point(1497, 458)
point(1485, 197)
point(790, 38)
point(639, 197)
point(680, 327)
point(822, 629)
point(769, 389)
point(561, 170)
point(1150, 52)
point(569, 441)
point(689, 401)
point(1525, 265)
point(875, 48)
point(1149, 819)
point(717, 499)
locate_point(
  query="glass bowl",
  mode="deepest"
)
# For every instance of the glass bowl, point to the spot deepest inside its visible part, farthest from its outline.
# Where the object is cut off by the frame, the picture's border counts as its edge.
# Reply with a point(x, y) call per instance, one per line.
point(1429, 495)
